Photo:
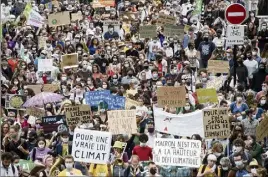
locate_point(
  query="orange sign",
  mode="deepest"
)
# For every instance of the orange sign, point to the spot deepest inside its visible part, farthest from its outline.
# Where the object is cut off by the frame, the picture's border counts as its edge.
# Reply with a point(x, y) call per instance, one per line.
point(103, 3)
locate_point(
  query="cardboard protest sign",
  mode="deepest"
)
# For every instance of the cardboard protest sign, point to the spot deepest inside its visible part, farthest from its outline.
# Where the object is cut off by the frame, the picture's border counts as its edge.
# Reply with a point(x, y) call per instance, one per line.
point(91, 146)
point(171, 96)
point(45, 64)
point(177, 152)
point(103, 3)
point(115, 24)
point(41, 42)
point(148, 31)
point(69, 60)
point(36, 112)
point(262, 129)
point(59, 19)
point(216, 123)
point(36, 88)
point(76, 115)
point(122, 122)
point(130, 103)
point(76, 16)
point(218, 66)
point(164, 19)
point(172, 30)
point(207, 95)
point(50, 87)
point(54, 123)
point(14, 101)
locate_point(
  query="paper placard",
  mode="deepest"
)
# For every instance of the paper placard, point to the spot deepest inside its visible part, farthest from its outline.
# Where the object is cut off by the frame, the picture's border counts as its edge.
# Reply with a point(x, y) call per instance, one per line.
point(235, 35)
point(103, 3)
point(35, 19)
point(148, 31)
point(41, 42)
point(45, 64)
point(177, 152)
point(36, 112)
point(262, 129)
point(216, 123)
point(171, 96)
point(59, 19)
point(207, 95)
point(69, 60)
point(50, 87)
point(172, 30)
point(218, 66)
point(76, 115)
point(91, 146)
point(122, 122)
point(54, 123)
point(130, 103)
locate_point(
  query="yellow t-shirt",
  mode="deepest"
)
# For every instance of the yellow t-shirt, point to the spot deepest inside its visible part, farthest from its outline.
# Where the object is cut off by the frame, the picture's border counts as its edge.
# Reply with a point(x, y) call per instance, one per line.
point(99, 170)
point(207, 169)
point(74, 172)
point(65, 149)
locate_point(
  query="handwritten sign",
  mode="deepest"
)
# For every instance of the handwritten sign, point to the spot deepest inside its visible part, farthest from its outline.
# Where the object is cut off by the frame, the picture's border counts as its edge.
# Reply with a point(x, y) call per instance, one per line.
point(177, 152)
point(262, 129)
point(36, 112)
point(45, 64)
point(218, 66)
point(130, 103)
point(76, 115)
point(36, 88)
point(54, 123)
point(50, 87)
point(91, 146)
point(216, 123)
point(122, 122)
point(207, 95)
point(171, 96)
point(69, 60)
point(164, 19)
point(148, 31)
point(76, 16)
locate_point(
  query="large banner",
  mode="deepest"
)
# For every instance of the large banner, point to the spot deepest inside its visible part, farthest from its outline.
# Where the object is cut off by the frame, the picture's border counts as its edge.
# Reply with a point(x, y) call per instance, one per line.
point(181, 125)
point(91, 146)
point(122, 122)
point(177, 152)
point(216, 123)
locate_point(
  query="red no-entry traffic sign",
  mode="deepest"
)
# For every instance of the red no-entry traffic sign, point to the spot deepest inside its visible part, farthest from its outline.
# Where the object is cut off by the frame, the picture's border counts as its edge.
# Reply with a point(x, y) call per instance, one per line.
point(235, 14)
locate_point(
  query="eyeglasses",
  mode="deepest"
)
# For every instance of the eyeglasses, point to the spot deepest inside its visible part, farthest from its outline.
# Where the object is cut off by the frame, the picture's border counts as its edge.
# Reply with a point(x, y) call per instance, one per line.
point(5, 127)
point(253, 166)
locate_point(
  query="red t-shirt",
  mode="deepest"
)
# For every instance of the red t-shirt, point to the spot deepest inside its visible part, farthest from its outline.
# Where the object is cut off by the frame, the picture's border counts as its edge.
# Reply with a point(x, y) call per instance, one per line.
point(144, 153)
point(13, 64)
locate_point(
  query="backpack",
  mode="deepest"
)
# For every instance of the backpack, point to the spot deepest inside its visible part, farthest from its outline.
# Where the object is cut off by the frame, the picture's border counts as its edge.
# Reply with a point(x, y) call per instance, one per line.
point(204, 168)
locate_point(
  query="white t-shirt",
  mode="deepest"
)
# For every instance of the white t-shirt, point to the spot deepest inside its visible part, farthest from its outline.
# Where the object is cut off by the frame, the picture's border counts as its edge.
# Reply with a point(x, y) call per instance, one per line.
point(252, 66)
point(154, 46)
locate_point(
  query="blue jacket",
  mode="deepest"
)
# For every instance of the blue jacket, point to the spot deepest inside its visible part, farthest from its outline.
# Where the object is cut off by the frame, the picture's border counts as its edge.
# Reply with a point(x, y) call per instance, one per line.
point(58, 149)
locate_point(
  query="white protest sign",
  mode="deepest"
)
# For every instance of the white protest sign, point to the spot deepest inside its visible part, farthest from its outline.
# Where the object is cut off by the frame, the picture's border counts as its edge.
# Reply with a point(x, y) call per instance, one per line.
point(35, 19)
point(177, 152)
point(235, 35)
point(45, 64)
point(91, 146)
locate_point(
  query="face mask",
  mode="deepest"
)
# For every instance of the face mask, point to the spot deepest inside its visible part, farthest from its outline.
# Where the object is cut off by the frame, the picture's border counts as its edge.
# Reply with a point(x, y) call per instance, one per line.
point(239, 99)
point(126, 65)
point(153, 171)
point(14, 136)
point(84, 66)
point(237, 149)
point(225, 168)
point(78, 90)
point(217, 154)
point(78, 79)
point(4, 67)
point(155, 75)
point(115, 80)
point(16, 83)
point(142, 144)
point(104, 86)
point(254, 171)
point(263, 102)
point(64, 78)
point(239, 164)
point(111, 30)
point(254, 53)
point(228, 54)
point(150, 130)
point(263, 27)
point(65, 140)
point(69, 165)
point(204, 79)
point(187, 108)
point(67, 43)
point(41, 146)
